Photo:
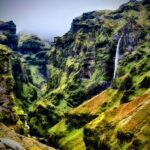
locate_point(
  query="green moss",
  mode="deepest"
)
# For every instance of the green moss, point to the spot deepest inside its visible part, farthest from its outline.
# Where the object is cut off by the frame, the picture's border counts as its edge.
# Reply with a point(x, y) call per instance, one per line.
point(101, 39)
point(95, 79)
point(37, 126)
point(3, 38)
point(20, 128)
point(66, 138)
point(63, 107)
point(73, 141)
point(1, 116)
point(41, 103)
point(63, 79)
point(4, 49)
point(72, 63)
point(18, 111)
point(28, 92)
point(23, 39)
point(35, 75)
point(54, 78)
point(59, 128)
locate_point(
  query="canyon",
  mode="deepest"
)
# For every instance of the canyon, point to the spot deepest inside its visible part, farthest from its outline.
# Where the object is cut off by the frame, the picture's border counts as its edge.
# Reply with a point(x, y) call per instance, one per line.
point(89, 89)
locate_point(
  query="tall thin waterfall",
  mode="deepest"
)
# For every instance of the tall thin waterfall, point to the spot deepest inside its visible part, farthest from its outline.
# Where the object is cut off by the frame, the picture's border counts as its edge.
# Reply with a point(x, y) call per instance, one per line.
point(117, 57)
point(26, 123)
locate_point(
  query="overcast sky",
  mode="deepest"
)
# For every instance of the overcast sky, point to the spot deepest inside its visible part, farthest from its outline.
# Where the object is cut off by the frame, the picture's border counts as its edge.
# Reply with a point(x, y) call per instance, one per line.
point(49, 18)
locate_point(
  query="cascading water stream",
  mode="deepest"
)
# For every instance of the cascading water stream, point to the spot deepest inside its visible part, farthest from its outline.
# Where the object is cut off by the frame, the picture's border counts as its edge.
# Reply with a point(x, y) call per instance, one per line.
point(117, 57)
point(26, 123)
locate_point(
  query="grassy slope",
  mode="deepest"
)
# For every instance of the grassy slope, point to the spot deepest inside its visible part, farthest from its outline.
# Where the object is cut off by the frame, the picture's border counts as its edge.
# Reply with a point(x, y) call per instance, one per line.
point(129, 118)
point(118, 125)
point(129, 123)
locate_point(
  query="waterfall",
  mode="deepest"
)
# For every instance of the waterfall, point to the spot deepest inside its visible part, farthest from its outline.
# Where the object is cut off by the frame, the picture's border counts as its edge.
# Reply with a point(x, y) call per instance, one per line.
point(117, 57)
point(26, 123)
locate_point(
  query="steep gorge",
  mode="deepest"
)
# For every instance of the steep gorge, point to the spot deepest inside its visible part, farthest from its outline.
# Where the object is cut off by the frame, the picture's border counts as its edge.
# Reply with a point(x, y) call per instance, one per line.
point(72, 94)
point(22, 82)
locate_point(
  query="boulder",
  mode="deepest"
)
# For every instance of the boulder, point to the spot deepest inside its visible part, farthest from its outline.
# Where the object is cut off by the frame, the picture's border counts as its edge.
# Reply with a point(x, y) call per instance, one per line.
point(2, 146)
point(10, 144)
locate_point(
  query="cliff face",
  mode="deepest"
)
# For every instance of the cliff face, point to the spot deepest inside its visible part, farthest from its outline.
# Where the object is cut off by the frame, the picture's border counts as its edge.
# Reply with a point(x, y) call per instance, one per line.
point(8, 34)
point(81, 63)
point(28, 63)
point(114, 118)
point(30, 68)
point(6, 86)
point(33, 50)
point(22, 80)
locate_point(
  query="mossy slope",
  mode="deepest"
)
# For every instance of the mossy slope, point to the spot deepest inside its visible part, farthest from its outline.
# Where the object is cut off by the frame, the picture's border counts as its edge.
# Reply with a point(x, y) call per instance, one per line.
point(117, 125)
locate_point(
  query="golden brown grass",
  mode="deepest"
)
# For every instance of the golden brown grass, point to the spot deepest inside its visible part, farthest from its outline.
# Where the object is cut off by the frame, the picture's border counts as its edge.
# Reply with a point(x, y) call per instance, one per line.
point(92, 106)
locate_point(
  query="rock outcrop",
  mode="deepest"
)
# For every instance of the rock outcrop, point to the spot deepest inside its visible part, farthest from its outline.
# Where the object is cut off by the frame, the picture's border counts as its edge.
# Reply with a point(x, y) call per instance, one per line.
point(8, 34)
point(6, 86)
point(132, 34)
point(28, 62)
point(31, 44)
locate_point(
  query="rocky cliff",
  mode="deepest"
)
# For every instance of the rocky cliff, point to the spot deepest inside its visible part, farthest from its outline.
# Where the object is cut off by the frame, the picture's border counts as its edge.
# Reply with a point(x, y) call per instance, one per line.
point(105, 122)
point(6, 86)
point(21, 83)
point(22, 80)
point(8, 34)
point(28, 63)
point(81, 63)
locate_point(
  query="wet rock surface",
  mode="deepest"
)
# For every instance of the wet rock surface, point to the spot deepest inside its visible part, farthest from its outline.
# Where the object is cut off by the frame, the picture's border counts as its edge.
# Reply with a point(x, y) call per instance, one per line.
point(10, 144)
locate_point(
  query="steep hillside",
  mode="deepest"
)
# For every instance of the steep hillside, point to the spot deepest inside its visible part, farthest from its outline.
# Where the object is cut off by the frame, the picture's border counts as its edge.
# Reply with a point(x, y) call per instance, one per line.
point(32, 51)
point(125, 127)
point(105, 122)
point(81, 64)
point(28, 63)
point(6, 86)
point(21, 83)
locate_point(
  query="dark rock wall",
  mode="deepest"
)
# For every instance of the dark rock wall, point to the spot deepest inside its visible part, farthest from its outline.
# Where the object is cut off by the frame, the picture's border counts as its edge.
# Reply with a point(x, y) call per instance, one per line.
point(6, 86)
